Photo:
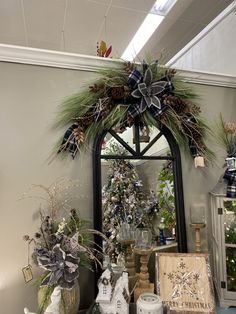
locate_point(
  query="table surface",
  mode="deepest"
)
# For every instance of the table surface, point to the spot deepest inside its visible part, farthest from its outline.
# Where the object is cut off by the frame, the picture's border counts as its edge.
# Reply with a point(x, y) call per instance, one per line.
point(132, 310)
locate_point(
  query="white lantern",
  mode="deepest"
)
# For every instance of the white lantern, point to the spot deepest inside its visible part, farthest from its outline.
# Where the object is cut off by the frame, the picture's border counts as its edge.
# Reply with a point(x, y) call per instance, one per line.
point(149, 303)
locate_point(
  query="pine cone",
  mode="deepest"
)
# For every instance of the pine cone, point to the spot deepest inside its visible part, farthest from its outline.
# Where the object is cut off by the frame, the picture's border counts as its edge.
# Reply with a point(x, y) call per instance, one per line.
point(86, 119)
point(176, 103)
point(170, 73)
point(122, 127)
point(194, 109)
point(165, 120)
point(127, 91)
point(129, 67)
point(117, 92)
point(96, 88)
point(107, 106)
point(193, 131)
point(79, 134)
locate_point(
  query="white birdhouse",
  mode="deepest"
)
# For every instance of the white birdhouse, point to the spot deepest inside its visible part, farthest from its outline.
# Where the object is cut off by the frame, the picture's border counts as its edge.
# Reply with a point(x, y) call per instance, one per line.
point(113, 296)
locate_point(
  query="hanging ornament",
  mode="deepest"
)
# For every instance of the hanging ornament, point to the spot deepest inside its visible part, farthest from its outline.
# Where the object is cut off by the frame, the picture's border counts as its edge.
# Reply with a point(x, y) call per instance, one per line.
point(102, 50)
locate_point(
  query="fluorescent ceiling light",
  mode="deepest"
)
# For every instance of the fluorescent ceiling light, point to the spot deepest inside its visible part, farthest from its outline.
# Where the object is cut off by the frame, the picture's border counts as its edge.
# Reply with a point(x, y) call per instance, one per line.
point(147, 28)
point(145, 31)
point(162, 7)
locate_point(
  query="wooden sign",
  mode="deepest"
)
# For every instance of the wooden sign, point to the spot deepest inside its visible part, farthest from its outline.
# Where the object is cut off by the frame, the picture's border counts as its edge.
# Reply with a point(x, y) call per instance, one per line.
point(183, 281)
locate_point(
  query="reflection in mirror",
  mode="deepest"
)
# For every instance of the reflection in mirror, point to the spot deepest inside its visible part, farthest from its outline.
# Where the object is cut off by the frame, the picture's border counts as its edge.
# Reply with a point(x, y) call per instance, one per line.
point(137, 194)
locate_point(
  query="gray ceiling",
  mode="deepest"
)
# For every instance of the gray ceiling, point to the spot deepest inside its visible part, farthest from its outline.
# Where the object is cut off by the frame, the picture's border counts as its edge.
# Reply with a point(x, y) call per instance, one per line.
point(76, 25)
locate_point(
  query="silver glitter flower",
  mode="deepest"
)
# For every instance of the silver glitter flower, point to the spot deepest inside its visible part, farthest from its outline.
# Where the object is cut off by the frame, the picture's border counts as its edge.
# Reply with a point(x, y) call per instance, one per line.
point(62, 267)
point(148, 91)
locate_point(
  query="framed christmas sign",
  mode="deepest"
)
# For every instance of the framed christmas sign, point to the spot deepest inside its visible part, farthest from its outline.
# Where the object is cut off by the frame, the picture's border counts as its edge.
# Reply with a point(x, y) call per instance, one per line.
point(183, 281)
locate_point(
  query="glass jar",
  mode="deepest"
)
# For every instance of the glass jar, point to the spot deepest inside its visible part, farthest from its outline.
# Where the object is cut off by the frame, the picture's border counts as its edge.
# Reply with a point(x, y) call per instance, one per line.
point(149, 303)
point(197, 214)
point(143, 238)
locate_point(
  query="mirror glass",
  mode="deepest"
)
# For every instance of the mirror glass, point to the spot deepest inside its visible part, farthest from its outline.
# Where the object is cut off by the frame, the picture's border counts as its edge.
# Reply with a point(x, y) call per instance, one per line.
point(137, 189)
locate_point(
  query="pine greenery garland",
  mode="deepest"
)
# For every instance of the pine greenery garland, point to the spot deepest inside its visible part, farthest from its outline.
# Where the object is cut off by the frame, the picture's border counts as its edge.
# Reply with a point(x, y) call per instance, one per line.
point(105, 111)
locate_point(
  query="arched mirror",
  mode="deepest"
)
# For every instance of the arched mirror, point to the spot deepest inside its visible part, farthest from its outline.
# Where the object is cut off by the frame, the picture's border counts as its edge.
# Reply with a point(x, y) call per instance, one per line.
point(138, 181)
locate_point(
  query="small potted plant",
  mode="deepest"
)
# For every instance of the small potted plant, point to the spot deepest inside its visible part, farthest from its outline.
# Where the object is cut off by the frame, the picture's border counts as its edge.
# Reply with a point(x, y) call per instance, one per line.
point(225, 133)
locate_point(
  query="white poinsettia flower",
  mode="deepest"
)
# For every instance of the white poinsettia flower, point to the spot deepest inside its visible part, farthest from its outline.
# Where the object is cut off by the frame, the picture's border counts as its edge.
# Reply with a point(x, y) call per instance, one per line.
point(148, 91)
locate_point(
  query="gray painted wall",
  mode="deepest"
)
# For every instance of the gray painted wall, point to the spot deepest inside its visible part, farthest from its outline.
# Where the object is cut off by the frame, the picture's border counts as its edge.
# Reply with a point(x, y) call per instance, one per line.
point(29, 96)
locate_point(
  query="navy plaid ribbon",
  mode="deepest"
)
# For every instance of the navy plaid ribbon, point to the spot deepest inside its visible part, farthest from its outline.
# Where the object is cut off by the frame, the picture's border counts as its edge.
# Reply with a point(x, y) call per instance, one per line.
point(155, 112)
point(190, 120)
point(134, 111)
point(169, 88)
point(69, 141)
point(134, 79)
point(193, 149)
point(230, 176)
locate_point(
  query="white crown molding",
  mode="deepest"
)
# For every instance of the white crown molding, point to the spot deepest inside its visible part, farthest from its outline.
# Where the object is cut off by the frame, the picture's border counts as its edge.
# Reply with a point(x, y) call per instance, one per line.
point(208, 78)
point(56, 59)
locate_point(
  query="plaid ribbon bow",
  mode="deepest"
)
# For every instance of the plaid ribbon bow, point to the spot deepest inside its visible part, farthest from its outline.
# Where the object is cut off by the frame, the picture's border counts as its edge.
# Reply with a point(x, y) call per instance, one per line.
point(190, 123)
point(146, 93)
point(134, 79)
point(230, 176)
point(69, 141)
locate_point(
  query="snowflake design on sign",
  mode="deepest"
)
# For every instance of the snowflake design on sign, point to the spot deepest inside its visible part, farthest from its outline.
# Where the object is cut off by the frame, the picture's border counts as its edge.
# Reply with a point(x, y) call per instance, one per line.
point(183, 281)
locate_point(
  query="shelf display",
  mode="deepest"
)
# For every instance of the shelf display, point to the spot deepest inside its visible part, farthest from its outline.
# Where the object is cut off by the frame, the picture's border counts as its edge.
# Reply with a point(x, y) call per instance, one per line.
point(230, 243)
point(223, 247)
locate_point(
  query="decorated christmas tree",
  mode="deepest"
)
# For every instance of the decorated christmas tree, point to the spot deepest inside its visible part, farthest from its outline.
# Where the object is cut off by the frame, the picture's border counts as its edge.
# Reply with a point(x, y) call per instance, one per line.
point(123, 199)
point(166, 197)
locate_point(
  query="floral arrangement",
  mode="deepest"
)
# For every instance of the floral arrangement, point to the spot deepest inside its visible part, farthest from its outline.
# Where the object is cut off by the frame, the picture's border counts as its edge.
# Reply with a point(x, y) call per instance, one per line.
point(225, 133)
point(60, 247)
point(63, 242)
point(226, 136)
point(150, 92)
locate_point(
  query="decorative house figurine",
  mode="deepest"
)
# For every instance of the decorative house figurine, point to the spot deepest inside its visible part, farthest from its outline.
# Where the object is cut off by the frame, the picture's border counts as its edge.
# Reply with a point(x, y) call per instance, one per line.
point(113, 295)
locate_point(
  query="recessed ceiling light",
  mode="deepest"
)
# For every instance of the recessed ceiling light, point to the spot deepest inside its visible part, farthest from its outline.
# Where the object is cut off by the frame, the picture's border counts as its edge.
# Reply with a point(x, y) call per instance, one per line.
point(147, 28)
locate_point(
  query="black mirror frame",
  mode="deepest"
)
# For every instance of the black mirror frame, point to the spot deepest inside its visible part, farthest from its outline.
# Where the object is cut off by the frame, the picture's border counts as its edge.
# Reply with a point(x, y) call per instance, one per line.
point(178, 187)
